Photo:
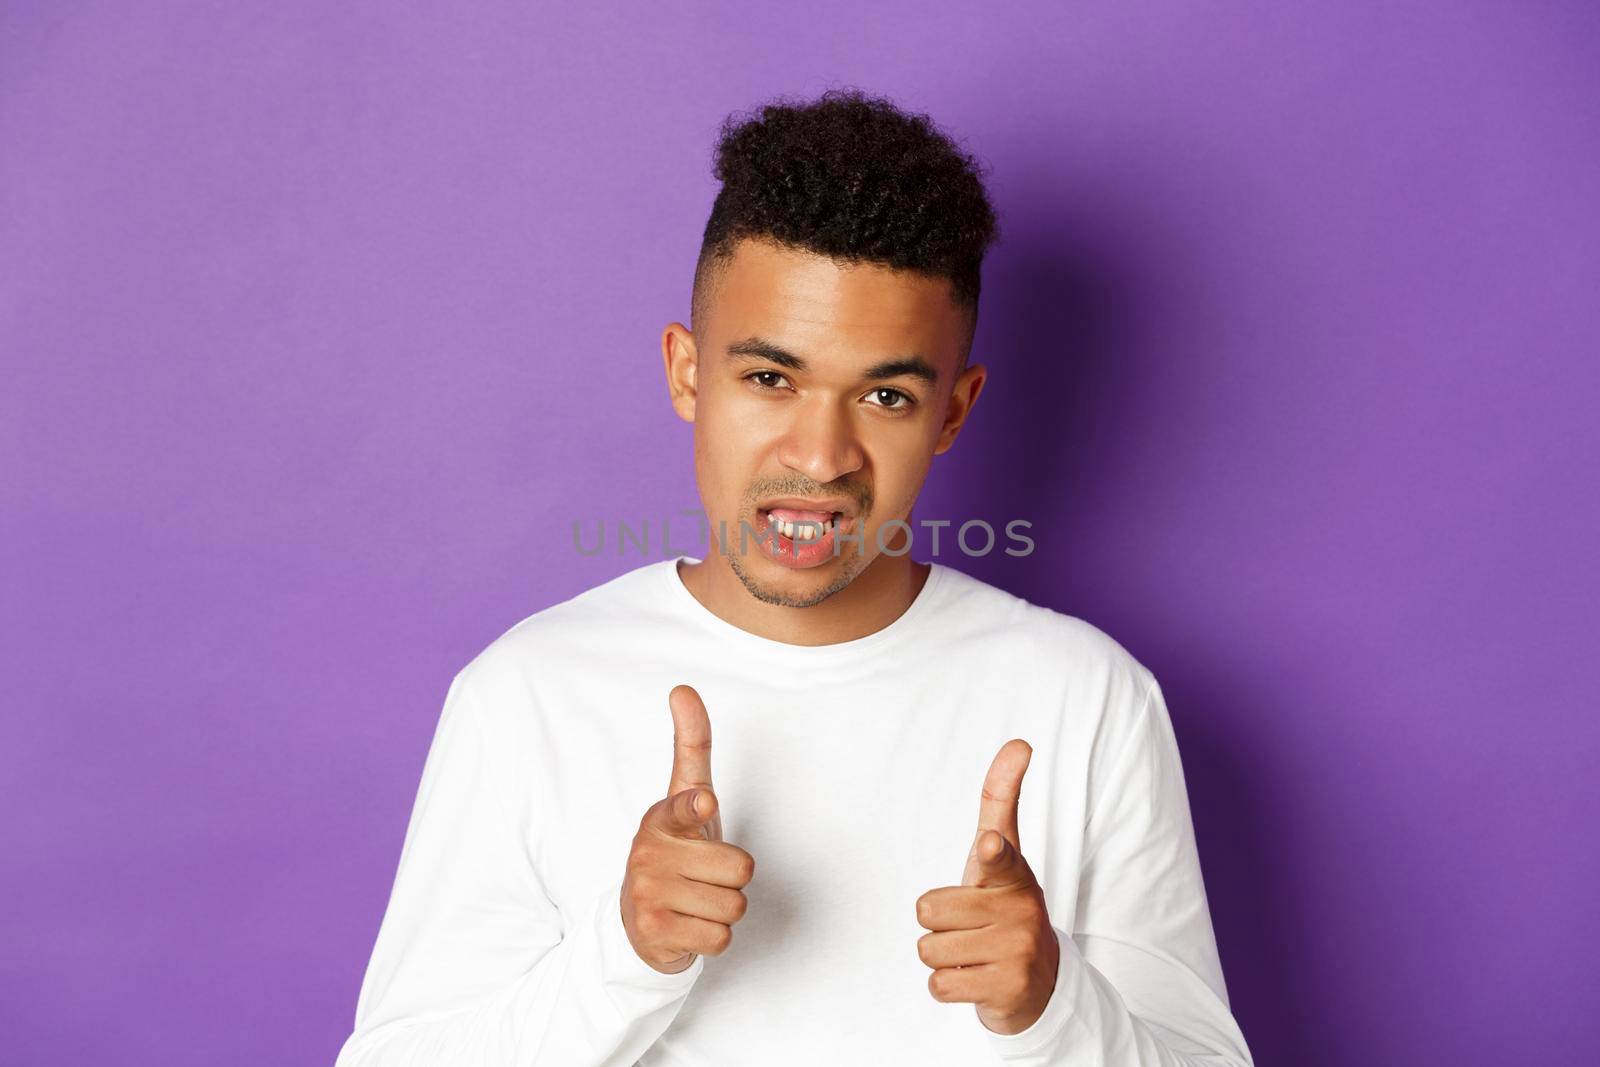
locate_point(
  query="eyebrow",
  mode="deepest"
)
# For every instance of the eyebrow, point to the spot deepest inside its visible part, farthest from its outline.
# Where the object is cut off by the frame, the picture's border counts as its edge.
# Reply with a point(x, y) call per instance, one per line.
point(753, 349)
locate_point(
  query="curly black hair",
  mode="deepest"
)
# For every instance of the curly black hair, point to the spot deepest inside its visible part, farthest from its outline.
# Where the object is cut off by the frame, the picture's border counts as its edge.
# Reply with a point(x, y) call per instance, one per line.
point(852, 177)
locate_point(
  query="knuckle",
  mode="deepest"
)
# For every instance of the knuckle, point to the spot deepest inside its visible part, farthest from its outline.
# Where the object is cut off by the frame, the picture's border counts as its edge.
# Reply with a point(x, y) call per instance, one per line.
point(655, 814)
point(938, 985)
point(721, 938)
point(924, 949)
point(741, 904)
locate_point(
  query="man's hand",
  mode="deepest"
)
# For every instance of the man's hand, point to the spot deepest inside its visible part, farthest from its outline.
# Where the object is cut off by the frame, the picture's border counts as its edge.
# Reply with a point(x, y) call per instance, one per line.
point(681, 893)
point(993, 944)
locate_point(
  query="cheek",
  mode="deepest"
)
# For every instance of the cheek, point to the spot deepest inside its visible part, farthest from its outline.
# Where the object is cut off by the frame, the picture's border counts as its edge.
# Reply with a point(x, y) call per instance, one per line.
point(727, 459)
point(733, 419)
point(900, 464)
point(710, 467)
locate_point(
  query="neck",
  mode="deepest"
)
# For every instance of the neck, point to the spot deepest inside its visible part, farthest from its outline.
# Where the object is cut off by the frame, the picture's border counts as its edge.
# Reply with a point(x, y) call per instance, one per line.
point(877, 596)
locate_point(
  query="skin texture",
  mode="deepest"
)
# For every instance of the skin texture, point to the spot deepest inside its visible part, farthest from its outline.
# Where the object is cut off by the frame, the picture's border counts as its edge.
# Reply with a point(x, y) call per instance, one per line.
point(764, 429)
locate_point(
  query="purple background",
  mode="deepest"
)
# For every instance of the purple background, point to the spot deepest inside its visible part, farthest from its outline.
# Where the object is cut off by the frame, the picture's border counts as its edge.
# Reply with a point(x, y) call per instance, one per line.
point(322, 325)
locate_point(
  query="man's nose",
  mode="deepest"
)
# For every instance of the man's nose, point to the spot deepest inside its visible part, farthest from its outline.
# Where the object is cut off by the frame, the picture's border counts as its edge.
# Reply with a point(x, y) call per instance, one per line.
point(821, 442)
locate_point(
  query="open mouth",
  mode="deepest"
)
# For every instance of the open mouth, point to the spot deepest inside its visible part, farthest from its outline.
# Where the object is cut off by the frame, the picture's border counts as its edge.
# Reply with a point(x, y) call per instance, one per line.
point(795, 524)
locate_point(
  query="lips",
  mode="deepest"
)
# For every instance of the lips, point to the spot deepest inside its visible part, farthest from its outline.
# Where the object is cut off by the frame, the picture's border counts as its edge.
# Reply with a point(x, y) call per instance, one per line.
point(799, 507)
point(798, 545)
point(791, 518)
point(802, 532)
point(818, 529)
point(797, 515)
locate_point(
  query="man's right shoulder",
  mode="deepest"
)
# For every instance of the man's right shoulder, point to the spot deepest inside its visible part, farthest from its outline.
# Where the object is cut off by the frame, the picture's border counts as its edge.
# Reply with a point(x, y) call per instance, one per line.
point(582, 630)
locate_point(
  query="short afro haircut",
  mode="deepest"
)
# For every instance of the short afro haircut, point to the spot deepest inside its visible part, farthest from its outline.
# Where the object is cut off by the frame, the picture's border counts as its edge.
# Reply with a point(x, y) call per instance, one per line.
point(854, 178)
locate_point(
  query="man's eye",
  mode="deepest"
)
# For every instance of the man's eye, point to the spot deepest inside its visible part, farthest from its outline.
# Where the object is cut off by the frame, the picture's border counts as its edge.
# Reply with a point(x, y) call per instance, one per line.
point(763, 374)
point(894, 394)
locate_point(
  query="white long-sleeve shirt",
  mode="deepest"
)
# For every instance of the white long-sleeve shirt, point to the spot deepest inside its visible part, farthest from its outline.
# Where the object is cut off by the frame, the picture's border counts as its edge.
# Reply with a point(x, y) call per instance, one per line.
point(852, 774)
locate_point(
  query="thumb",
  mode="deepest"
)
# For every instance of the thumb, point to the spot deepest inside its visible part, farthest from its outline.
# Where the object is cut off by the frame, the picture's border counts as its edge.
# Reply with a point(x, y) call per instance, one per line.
point(1002, 789)
point(996, 855)
point(691, 740)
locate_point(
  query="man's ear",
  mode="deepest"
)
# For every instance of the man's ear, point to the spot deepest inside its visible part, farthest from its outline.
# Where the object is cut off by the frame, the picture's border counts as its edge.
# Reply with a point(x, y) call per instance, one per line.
point(680, 359)
point(962, 398)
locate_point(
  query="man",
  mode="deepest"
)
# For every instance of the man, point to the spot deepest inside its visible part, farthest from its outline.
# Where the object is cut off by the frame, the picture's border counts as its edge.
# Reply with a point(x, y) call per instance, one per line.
point(564, 877)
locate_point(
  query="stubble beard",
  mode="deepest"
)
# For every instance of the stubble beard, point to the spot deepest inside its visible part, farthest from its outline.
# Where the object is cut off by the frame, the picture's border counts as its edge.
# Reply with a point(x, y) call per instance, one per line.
point(767, 595)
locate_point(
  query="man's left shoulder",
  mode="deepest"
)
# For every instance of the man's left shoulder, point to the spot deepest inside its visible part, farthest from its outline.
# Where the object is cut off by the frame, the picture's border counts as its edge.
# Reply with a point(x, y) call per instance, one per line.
point(1045, 640)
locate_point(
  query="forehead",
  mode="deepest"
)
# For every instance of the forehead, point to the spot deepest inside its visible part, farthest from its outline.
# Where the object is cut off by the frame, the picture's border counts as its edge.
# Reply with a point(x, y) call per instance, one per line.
point(829, 310)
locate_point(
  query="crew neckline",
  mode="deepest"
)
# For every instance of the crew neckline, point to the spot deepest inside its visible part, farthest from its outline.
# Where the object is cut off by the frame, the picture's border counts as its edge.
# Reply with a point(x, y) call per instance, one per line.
point(904, 623)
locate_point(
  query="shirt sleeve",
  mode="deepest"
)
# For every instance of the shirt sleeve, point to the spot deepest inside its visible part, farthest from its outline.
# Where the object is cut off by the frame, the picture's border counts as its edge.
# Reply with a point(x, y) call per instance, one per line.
point(1139, 982)
point(474, 964)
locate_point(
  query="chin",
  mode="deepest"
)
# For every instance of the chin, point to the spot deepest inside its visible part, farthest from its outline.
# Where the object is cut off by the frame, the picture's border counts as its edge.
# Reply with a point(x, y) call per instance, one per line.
point(772, 582)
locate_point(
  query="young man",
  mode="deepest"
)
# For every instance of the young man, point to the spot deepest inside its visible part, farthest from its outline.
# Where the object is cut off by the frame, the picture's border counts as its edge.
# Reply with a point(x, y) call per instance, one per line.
point(565, 876)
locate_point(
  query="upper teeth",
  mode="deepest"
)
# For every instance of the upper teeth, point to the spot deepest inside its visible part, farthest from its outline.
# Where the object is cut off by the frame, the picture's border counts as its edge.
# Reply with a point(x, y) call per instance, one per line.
point(809, 528)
